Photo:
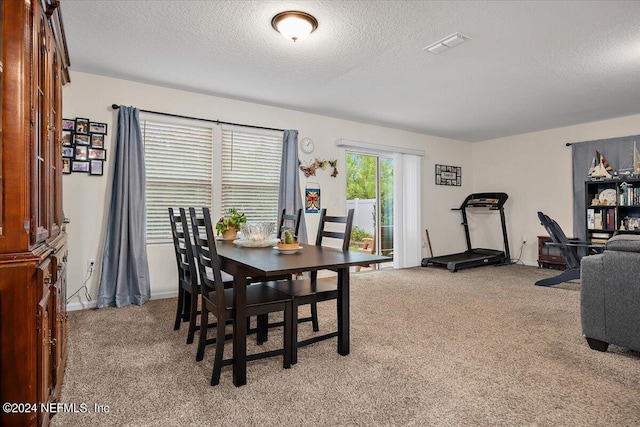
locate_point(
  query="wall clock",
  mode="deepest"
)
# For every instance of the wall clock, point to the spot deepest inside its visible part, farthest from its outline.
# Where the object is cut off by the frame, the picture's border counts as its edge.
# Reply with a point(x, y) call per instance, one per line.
point(307, 145)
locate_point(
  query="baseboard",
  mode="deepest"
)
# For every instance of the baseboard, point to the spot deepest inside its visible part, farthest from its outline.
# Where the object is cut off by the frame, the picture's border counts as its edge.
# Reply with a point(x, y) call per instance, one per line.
point(164, 295)
point(82, 305)
point(85, 305)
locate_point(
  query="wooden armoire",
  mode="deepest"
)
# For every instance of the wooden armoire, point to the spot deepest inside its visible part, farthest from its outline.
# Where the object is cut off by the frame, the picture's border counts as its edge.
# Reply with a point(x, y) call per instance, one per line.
point(33, 242)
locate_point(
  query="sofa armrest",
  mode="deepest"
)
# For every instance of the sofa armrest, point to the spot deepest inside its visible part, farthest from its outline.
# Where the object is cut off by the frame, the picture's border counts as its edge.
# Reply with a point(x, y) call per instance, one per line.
point(622, 297)
point(592, 297)
point(624, 243)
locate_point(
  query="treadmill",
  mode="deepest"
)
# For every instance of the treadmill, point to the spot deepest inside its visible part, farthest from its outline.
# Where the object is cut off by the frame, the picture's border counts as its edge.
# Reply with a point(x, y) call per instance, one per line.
point(476, 257)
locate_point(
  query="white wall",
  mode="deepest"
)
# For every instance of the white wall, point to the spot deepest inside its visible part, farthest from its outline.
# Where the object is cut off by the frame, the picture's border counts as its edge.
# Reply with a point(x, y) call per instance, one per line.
point(86, 197)
point(535, 170)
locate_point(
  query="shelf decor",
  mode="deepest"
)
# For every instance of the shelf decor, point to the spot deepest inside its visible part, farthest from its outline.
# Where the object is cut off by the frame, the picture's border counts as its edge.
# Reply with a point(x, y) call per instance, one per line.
point(600, 168)
point(448, 175)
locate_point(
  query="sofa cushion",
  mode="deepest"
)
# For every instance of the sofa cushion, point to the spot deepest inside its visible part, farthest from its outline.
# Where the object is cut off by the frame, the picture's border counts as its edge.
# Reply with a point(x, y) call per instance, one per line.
point(624, 242)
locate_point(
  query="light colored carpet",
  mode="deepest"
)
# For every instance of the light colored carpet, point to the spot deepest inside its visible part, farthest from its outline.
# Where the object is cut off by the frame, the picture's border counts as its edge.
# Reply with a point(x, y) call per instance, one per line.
point(479, 347)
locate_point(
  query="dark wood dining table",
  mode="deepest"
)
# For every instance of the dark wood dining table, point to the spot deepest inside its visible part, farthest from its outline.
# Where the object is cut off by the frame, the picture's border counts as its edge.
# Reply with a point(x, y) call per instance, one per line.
point(243, 262)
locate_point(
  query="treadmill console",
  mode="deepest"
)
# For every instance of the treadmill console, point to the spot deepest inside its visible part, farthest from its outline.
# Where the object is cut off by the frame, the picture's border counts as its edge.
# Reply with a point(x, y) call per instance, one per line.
point(493, 201)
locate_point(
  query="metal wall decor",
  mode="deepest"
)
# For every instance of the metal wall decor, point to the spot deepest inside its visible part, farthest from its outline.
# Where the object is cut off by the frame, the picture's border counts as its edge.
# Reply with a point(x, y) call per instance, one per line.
point(310, 168)
point(448, 175)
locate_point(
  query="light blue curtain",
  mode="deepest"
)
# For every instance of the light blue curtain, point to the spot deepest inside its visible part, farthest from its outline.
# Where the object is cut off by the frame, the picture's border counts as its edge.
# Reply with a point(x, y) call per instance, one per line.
point(289, 197)
point(125, 270)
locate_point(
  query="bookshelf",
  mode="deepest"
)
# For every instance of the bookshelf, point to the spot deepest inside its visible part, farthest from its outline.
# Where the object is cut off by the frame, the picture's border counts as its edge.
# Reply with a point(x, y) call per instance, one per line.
point(612, 205)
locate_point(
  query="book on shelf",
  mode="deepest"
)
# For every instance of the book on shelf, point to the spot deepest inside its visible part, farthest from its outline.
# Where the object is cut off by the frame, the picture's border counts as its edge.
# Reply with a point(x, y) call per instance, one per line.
point(600, 236)
point(599, 240)
point(633, 197)
point(591, 220)
point(630, 197)
point(610, 219)
point(597, 221)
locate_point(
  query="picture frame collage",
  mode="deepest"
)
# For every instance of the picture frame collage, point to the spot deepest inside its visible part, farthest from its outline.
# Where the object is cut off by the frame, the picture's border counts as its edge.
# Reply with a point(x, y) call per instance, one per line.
point(83, 146)
point(448, 175)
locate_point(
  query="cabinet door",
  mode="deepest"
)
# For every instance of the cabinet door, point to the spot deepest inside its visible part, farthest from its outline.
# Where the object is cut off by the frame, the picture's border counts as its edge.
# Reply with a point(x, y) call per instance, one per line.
point(53, 144)
point(59, 332)
point(44, 347)
point(39, 128)
point(56, 143)
point(1, 102)
point(44, 326)
point(45, 352)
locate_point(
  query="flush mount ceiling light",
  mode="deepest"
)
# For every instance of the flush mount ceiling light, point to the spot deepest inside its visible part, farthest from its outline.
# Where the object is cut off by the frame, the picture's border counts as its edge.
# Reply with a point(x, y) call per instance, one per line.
point(447, 43)
point(294, 25)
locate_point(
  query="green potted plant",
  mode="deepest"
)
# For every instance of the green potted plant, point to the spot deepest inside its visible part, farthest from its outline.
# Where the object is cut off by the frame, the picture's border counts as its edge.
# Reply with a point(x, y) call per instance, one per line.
point(229, 224)
point(288, 240)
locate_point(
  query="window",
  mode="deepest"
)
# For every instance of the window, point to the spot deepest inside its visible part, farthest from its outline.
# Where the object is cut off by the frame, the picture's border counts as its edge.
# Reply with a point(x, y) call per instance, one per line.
point(251, 172)
point(179, 164)
point(191, 165)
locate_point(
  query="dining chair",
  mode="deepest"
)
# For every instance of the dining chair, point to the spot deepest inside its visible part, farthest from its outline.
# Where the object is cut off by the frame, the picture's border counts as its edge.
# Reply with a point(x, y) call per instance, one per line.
point(217, 300)
point(178, 236)
point(291, 217)
point(188, 283)
point(311, 291)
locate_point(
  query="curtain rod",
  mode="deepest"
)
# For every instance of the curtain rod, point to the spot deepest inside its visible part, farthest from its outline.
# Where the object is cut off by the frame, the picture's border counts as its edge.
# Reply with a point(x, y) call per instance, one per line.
point(116, 106)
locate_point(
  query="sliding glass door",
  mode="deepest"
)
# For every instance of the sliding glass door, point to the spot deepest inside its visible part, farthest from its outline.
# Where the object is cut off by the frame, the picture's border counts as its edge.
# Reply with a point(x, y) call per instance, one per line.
point(370, 193)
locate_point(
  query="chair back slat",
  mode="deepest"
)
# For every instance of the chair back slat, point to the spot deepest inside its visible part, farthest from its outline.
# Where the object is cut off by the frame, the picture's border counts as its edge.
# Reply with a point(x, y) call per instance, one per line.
point(295, 218)
point(344, 235)
point(174, 231)
point(336, 219)
point(333, 234)
point(207, 255)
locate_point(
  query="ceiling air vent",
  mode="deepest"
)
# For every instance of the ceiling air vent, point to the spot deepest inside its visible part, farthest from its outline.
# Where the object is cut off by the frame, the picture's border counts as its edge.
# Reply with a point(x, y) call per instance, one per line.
point(447, 43)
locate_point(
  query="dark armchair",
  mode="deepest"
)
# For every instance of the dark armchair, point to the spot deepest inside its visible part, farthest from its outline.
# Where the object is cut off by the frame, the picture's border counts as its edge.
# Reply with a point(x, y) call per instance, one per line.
point(569, 249)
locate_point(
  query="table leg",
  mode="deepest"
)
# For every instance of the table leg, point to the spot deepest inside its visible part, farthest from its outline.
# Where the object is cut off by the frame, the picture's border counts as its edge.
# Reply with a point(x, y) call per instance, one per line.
point(343, 311)
point(240, 328)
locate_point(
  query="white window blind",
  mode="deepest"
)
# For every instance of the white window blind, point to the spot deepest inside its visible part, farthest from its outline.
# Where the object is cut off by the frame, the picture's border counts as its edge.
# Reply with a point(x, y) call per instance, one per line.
point(179, 165)
point(251, 172)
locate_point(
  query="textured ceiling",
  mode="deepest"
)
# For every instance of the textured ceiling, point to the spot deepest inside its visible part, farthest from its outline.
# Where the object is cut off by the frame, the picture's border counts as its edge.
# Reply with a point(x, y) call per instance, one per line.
point(530, 65)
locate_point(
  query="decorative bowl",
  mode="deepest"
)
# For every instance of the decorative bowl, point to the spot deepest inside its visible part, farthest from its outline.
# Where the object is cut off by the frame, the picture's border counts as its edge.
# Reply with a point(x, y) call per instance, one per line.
point(257, 231)
point(256, 243)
